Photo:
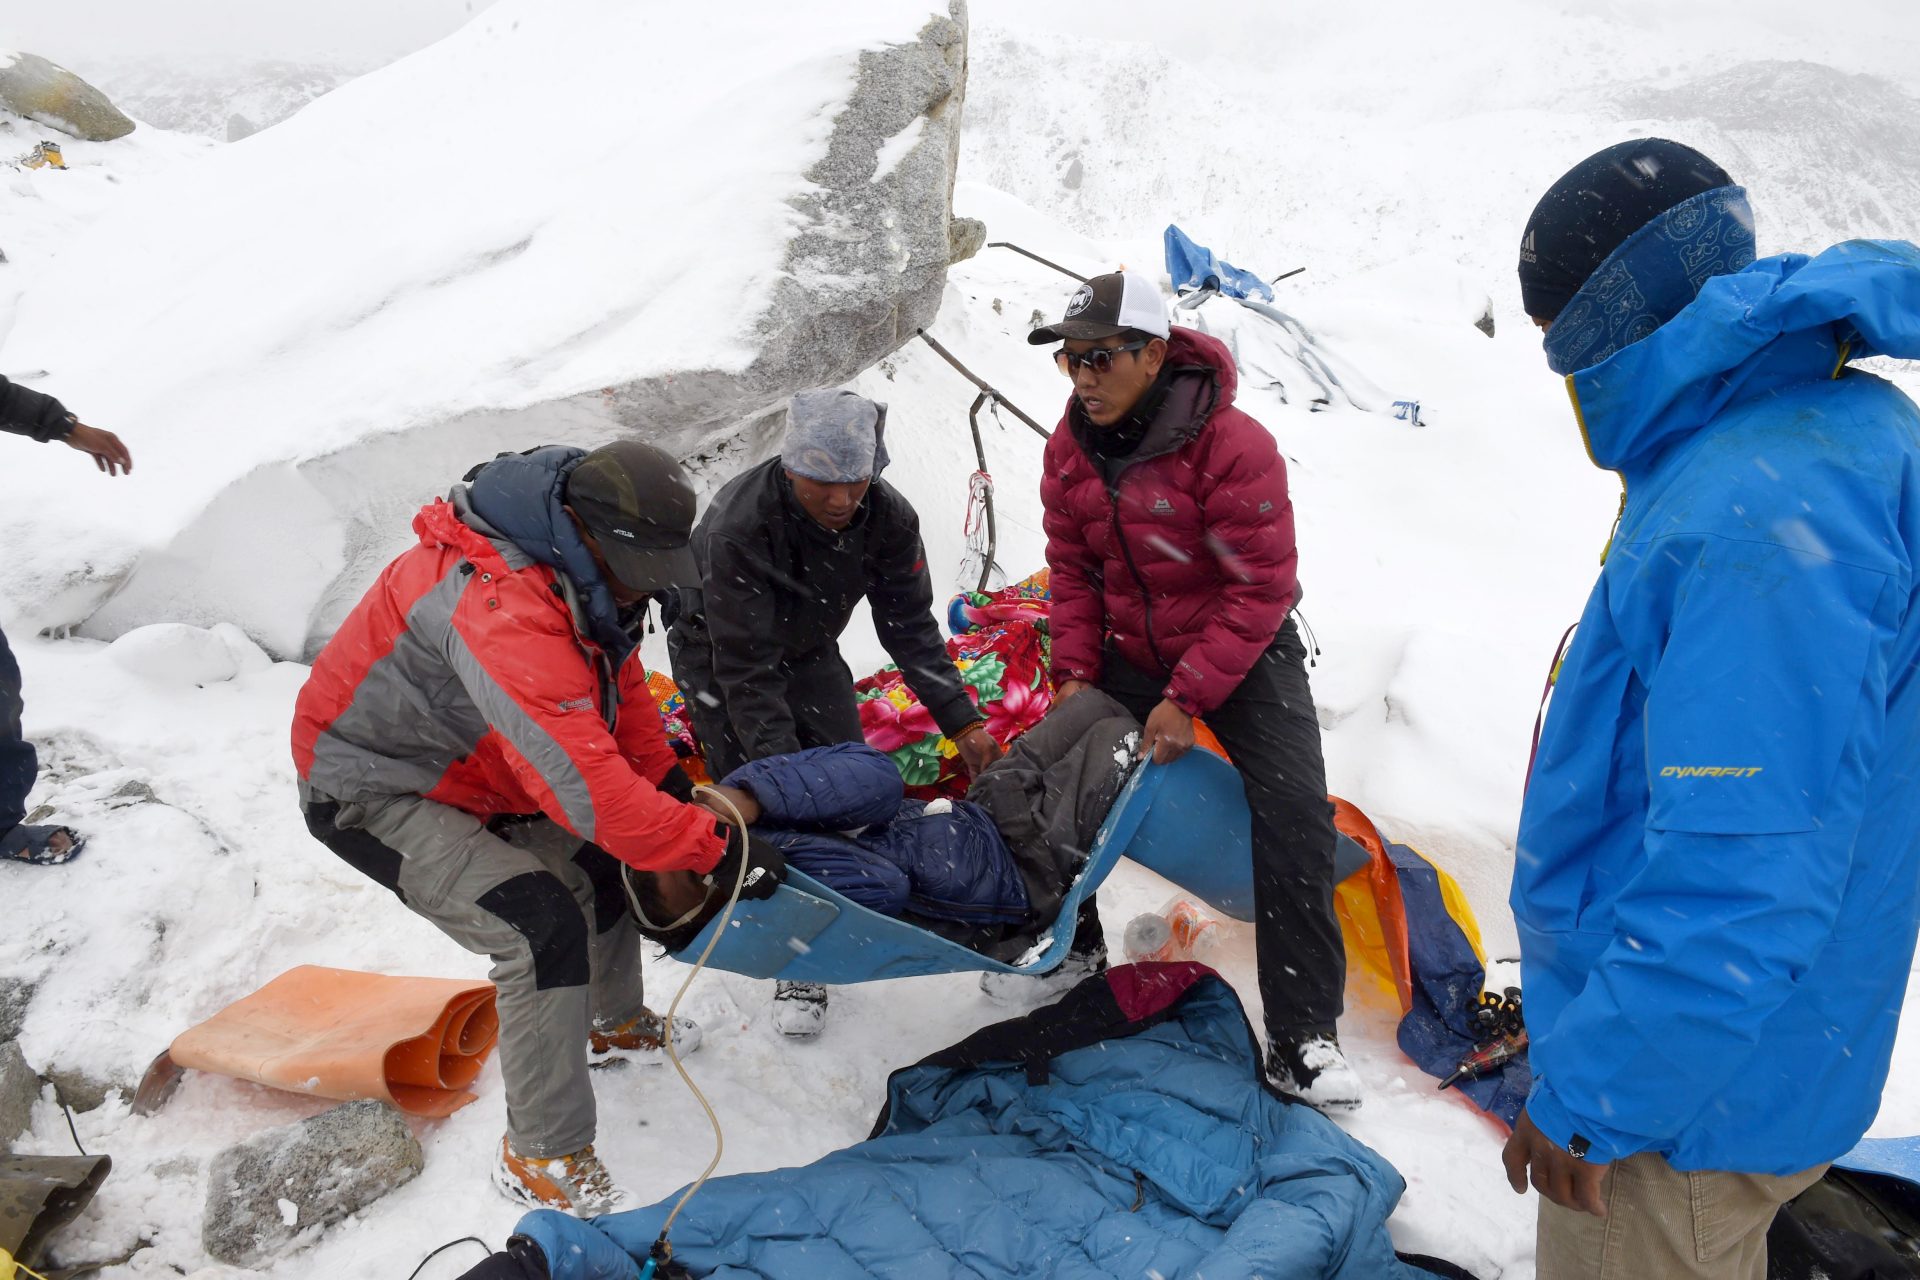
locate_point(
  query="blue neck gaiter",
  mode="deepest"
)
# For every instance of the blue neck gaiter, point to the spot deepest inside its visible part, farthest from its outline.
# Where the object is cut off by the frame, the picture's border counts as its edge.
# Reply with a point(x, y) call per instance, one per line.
point(1652, 277)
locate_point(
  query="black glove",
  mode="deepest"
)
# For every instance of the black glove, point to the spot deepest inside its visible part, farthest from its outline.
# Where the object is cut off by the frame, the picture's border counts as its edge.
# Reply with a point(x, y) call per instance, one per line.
point(523, 1260)
point(766, 865)
point(676, 784)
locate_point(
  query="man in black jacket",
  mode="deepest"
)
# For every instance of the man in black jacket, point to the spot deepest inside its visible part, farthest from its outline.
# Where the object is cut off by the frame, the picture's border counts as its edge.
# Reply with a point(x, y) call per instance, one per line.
point(37, 415)
point(786, 550)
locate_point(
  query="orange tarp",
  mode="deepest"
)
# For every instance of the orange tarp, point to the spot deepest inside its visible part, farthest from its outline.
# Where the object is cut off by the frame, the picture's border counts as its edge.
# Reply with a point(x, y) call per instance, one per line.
point(337, 1033)
point(1373, 919)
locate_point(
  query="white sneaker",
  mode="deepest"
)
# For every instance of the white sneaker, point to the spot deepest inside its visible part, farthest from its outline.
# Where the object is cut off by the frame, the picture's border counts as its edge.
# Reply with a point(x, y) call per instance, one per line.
point(1315, 1071)
point(1023, 988)
point(799, 1009)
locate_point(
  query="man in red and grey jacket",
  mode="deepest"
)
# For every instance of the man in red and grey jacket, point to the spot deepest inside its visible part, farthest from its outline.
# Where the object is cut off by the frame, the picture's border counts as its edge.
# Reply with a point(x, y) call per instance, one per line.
point(1170, 541)
point(478, 738)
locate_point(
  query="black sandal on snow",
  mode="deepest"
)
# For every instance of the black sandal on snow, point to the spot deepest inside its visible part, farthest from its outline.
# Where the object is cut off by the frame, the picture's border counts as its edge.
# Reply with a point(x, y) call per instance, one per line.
point(35, 845)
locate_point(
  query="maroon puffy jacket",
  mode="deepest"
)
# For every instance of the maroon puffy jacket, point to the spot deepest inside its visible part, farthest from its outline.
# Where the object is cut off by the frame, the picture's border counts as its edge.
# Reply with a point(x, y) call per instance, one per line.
point(1182, 552)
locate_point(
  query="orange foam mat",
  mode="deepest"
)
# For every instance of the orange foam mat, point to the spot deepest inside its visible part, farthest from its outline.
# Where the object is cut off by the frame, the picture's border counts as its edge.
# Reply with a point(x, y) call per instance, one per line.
point(338, 1033)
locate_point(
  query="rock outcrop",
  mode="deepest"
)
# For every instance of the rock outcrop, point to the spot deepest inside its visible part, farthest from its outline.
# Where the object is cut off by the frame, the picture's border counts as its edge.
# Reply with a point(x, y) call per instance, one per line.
point(326, 327)
point(19, 1089)
point(47, 92)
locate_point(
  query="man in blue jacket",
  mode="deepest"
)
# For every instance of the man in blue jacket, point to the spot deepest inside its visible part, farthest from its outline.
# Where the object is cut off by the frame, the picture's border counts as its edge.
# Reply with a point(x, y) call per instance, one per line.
point(1719, 854)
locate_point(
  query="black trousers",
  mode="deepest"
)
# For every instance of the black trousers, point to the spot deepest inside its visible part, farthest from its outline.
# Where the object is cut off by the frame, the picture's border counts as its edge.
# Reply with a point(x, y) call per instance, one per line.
point(1269, 728)
point(18, 764)
point(819, 698)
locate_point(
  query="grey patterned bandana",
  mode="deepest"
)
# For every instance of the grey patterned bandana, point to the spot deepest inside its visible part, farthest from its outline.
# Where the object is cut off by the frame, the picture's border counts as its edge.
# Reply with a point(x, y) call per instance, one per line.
point(835, 437)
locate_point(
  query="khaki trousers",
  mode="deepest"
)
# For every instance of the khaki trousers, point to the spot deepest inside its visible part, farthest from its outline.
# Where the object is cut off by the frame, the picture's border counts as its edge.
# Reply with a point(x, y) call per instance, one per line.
point(1662, 1224)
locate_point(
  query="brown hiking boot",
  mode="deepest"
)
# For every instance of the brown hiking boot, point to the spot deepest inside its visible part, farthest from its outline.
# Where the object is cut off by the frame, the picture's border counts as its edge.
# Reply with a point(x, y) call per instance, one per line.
point(642, 1040)
point(578, 1184)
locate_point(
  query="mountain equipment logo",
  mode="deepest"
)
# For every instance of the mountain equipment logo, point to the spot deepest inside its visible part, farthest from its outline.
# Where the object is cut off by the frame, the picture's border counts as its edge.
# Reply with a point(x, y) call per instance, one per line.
point(1081, 301)
point(1161, 507)
point(1526, 248)
point(1707, 771)
point(577, 704)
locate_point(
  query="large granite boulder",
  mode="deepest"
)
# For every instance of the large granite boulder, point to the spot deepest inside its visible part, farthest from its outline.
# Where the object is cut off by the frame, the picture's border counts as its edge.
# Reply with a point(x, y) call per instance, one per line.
point(47, 92)
point(16, 993)
point(277, 1190)
point(306, 337)
point(19, 1090)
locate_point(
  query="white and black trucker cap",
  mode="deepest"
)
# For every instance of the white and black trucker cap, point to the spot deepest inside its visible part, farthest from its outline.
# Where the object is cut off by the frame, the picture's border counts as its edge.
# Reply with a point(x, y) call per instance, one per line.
point(1107, 305)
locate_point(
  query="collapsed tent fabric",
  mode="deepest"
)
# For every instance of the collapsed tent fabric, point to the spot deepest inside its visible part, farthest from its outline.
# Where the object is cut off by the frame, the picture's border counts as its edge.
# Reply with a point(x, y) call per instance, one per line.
point(1409, 927)
point(1122, 1130)
point(1193, 266)
point(338, 1033)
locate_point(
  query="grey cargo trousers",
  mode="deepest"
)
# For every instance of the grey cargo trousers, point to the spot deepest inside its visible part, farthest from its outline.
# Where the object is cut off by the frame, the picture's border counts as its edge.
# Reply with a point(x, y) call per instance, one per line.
point(546, 907)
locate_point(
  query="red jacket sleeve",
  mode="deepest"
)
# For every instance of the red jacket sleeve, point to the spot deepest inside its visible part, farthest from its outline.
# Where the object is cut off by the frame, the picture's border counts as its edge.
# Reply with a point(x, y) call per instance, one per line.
point(1077, 616)
point(639, 731)
point(1249, 520)
point(520, 662)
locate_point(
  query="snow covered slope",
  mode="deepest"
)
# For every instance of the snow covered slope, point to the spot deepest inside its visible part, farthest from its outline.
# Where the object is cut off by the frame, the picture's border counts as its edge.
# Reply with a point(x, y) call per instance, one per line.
point(1283, 137)
point(523, 214)
point(222, 99)
point(43, 210)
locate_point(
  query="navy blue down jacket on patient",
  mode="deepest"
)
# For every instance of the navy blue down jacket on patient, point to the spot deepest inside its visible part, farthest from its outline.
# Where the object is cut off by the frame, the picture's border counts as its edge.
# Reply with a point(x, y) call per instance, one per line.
point(839, 814)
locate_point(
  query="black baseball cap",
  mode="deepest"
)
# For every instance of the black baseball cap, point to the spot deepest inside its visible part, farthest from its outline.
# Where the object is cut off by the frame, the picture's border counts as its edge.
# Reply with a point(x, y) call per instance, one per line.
point(638, 504)
point(1108, 305)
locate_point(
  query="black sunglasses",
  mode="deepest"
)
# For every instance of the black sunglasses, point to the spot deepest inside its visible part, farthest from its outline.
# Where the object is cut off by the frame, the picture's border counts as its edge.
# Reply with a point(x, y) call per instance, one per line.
point(1100, 359)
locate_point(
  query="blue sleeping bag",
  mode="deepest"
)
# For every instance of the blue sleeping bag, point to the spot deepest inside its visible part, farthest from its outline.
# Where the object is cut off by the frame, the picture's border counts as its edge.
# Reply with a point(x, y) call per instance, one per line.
point(1121, 1131)
point(838, 813)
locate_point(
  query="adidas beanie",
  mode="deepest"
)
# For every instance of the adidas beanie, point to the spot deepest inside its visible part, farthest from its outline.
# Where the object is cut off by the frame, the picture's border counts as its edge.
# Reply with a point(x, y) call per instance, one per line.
point(1595, 206)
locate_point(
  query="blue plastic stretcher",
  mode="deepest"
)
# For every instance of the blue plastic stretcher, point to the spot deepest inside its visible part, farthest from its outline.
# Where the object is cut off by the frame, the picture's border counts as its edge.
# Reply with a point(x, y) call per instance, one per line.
point(1186, 820)
point(1894, 1157)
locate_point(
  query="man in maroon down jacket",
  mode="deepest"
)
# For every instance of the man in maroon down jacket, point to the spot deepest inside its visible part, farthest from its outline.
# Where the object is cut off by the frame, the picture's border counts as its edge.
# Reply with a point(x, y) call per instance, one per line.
point(1170, 540)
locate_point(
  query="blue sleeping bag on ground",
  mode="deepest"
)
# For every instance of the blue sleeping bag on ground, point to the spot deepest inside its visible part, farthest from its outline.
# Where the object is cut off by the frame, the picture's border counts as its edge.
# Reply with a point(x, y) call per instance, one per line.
point(838, 813)
point(1121, 1131)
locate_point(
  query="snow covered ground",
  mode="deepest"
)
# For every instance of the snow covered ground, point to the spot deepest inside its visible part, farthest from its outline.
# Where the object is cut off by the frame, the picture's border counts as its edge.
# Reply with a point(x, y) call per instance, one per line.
point(1397, 159)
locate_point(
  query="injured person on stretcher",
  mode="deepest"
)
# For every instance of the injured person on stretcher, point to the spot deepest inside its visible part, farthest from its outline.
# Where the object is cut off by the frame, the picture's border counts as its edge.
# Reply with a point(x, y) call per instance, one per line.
point(988, 871)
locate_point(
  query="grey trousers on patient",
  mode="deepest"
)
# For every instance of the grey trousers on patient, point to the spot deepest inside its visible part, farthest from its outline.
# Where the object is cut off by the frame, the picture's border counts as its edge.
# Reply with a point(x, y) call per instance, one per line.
point(545, 906)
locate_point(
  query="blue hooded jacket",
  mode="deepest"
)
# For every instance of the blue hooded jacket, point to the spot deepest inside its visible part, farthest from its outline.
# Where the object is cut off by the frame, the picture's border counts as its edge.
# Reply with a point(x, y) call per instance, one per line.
point(1718, 865)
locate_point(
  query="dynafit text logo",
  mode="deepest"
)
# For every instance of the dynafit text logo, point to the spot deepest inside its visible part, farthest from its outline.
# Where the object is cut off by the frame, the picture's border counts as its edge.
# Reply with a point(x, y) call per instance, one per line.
point(1708, 771)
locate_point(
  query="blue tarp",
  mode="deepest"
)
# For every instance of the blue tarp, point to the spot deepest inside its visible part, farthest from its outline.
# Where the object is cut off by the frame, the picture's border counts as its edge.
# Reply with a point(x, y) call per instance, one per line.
point(1193, 266)
point(1894, 1157)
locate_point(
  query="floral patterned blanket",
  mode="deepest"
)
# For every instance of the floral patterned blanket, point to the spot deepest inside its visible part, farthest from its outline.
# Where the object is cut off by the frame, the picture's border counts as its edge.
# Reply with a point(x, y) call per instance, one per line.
point(1001, 647)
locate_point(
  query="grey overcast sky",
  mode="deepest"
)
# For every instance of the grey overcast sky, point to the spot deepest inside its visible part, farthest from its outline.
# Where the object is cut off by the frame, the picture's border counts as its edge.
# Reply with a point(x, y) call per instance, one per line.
point(75, 32)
